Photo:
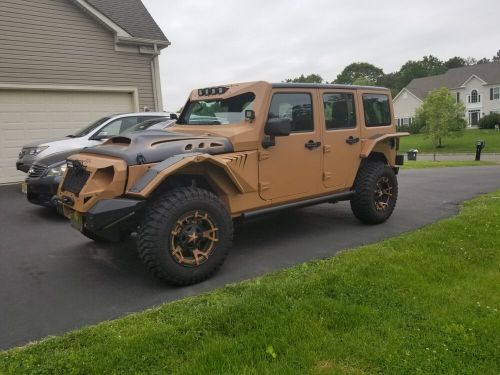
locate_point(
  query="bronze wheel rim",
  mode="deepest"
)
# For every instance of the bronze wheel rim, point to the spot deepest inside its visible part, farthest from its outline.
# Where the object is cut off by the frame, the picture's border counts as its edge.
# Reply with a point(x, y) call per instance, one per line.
point(383, 193)
point(193, 238)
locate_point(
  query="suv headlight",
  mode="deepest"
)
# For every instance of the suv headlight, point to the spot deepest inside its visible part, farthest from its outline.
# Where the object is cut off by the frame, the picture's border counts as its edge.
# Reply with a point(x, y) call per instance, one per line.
point(33, 151)
point(57, 171)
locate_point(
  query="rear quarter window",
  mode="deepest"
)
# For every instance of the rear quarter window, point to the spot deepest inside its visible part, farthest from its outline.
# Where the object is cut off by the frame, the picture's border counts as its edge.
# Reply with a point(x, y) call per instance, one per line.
point(377, 110)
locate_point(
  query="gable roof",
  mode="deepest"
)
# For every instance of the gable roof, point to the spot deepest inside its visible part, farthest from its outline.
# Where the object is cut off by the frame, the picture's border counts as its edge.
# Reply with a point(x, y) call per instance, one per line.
point(454, 78)
point(132, 16)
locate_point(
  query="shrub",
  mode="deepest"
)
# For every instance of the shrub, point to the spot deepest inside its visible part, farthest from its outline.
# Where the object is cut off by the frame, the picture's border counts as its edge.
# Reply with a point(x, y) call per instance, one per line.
point(489, 121)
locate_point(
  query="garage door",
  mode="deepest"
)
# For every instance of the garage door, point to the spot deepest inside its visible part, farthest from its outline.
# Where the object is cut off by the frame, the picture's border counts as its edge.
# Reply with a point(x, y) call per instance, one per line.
point(27, 116)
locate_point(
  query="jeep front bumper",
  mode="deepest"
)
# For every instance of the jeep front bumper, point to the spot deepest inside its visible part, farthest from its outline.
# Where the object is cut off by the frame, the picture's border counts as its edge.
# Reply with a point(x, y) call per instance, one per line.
point(108, 218)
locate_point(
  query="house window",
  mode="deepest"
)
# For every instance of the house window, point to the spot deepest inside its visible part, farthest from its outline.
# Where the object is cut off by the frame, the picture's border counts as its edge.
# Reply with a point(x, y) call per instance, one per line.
point(473, 96)
point(495, 93)
point(458, 97)
point(405, 121)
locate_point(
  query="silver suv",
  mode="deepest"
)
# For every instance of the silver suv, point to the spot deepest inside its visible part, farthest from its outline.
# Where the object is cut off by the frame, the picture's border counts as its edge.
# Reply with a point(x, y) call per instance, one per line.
point(92, 135)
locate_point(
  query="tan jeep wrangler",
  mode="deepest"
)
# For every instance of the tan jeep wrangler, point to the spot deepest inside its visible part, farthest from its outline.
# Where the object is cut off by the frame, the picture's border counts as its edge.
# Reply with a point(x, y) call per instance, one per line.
point(236, 151)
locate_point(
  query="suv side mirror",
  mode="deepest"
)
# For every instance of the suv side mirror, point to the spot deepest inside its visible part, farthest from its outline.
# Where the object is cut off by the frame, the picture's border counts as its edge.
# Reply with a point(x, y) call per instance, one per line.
point(278, 127)
point(173, 116)
point(100, 136)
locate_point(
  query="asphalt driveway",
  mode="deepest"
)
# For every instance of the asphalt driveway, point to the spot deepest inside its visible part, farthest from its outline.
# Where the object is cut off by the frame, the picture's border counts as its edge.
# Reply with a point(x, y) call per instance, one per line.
point(52, 279)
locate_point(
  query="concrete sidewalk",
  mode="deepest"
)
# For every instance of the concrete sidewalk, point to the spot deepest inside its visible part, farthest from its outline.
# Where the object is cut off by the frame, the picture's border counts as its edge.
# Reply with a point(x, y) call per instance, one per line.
point(458, 157)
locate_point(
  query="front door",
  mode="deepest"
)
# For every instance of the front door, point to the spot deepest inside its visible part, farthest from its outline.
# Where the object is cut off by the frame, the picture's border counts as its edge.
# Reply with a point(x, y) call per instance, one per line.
point(474, 117)
point(292, 167)
point(342, 138)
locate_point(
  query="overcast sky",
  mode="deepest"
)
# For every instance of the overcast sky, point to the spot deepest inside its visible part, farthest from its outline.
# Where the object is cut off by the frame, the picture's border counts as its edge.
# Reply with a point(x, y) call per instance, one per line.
point(227, 41)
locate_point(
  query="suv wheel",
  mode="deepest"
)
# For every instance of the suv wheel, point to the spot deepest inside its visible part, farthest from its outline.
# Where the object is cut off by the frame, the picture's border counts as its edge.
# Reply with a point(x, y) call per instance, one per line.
point(185, 235)
point(376, 189)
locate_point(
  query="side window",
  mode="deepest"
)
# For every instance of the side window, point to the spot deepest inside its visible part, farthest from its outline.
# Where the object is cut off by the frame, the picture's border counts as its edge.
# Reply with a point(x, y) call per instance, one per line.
point(295, 107)
point(118, 126)
point(377, 110)
point(339, 111)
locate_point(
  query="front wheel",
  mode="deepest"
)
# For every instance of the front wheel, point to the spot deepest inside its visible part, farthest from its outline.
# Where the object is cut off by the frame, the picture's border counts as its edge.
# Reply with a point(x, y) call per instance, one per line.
point(376, 189)
point(185, 235)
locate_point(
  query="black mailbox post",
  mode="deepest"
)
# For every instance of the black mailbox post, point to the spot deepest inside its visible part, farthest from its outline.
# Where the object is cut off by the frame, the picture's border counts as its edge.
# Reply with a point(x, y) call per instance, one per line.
point(479, 147)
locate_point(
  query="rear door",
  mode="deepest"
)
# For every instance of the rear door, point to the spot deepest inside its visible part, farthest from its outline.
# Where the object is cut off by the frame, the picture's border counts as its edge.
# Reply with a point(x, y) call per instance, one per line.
point(342, 145)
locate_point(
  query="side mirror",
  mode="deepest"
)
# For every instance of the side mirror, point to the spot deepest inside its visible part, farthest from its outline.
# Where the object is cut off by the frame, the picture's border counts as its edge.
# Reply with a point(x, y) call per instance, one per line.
point(100, 136)
point(278, 127)
point(173, 116)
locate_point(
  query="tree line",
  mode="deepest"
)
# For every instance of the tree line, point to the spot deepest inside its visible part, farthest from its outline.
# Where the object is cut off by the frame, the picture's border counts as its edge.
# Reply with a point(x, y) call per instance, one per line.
point(364, 73)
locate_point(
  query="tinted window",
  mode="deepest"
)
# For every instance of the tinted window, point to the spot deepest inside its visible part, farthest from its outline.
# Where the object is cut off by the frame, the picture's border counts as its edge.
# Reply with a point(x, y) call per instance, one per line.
point(339, 110)
point(296, 107)
point(376, 107)
point(118, 126)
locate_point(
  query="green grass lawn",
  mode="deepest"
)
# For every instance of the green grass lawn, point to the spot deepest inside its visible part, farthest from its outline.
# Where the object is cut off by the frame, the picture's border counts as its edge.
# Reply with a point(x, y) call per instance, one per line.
point(420, 164)
point(426, 302)
point(465, 143)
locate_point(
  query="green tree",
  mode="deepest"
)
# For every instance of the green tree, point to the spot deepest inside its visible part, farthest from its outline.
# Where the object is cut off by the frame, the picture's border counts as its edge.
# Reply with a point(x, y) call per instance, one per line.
point(484, 60)
point(359, 70)
point(497, 56)
point(442, 116)
point(363, 81)
point(455, 62)
point(428, 66)
point(311, 78)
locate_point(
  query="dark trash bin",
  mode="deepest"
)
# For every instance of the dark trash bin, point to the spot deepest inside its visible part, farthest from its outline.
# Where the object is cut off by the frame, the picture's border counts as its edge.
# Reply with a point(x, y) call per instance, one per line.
point(412, 154)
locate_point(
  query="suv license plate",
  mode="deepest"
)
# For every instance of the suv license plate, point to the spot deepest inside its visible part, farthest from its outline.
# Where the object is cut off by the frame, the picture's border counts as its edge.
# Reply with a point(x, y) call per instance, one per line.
point(76, 219)
point(24, 188)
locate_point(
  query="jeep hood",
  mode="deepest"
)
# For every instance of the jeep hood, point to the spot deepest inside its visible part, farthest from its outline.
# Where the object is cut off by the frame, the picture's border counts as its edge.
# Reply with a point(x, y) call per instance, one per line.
point(153, 146)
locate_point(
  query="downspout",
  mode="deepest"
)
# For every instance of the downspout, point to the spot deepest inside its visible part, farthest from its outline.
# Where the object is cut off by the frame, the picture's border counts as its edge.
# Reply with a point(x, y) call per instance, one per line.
point(155, 70)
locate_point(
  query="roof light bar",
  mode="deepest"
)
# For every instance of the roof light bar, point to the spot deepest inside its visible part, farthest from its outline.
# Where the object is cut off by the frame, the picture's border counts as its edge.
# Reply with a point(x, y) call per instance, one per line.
point(212, 91)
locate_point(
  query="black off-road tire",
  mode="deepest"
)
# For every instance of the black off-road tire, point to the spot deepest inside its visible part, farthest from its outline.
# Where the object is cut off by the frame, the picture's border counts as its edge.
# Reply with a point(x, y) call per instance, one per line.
point(364, 203)
point(157, 228)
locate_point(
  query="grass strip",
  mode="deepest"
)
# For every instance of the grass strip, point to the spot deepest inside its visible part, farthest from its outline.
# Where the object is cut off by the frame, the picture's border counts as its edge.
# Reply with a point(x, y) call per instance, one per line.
point(420, 164)
point(464, 143)
point(424, 302)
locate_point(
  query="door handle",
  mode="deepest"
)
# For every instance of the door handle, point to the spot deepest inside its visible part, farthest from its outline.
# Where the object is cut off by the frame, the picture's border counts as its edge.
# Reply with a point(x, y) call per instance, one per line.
point(351, 140)
point(311, 144)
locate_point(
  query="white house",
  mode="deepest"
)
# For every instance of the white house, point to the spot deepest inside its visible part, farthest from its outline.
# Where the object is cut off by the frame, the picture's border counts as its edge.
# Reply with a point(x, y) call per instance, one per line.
point(477, 86)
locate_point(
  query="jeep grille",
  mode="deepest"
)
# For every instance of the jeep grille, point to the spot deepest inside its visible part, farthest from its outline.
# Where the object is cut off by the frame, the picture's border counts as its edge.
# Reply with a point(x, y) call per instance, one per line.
point(75, 180)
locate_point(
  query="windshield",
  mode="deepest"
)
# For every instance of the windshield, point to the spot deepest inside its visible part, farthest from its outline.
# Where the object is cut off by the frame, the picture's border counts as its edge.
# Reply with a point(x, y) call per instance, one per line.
point(89, 128)
point(217, 111)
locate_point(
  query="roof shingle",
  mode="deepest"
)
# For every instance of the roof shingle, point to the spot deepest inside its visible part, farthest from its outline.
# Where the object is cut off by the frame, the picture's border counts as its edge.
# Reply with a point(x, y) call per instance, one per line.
point(132, 16)
point(453, 78)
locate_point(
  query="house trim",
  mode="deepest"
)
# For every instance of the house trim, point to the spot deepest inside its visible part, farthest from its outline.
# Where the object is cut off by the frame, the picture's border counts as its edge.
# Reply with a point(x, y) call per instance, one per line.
point(412, 94)
point(124, 42)
point(102, 18)
point(131, 90)
point(471, 77)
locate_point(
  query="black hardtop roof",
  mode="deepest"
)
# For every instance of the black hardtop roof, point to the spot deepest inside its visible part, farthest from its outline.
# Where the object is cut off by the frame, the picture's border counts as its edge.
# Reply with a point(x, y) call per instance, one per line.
point(288, 85)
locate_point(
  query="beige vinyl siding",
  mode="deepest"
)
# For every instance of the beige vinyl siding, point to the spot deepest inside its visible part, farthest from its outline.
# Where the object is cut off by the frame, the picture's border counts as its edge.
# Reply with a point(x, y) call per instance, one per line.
point(54, 42)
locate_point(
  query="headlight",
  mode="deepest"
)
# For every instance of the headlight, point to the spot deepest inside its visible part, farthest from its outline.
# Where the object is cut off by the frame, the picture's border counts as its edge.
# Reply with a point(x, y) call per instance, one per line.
point(33, 151)
point(57, 171)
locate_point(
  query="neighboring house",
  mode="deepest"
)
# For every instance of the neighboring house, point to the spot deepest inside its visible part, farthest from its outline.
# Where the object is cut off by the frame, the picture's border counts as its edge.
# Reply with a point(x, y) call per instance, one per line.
point(66, 63)
point(478, 87)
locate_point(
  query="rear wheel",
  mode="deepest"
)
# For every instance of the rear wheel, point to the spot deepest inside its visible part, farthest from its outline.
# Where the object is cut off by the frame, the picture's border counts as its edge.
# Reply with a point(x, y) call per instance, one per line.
point(376, 189)
point(185, 235)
